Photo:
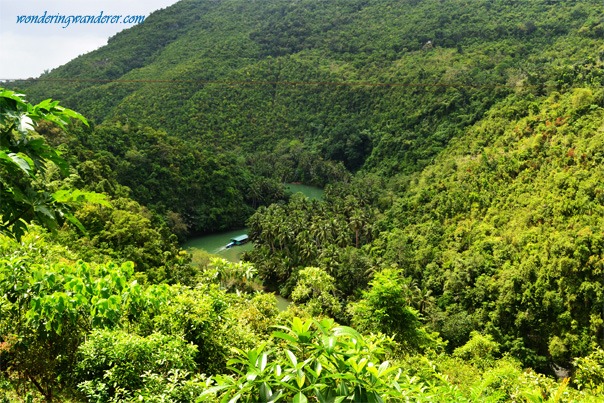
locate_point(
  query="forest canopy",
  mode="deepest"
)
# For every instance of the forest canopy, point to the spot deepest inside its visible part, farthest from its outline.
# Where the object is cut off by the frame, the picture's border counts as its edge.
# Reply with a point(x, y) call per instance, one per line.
point(457, 253)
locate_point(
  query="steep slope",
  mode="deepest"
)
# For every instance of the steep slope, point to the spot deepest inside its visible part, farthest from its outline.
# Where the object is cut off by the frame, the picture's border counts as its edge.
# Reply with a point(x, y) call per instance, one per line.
point(502, 233)
point(505, 229)
point(254, 72)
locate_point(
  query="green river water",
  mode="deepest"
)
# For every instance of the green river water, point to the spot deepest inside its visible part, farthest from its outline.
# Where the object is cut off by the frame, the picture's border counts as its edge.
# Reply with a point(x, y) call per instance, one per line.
point(215, 243)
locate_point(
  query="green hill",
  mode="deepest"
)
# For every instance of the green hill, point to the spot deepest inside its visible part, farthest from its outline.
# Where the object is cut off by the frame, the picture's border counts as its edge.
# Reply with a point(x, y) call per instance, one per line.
point(473, 131)
point(249, 73)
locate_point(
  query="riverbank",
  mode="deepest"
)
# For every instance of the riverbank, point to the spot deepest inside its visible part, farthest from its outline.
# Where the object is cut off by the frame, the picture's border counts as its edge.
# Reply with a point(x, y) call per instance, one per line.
point(215, 244)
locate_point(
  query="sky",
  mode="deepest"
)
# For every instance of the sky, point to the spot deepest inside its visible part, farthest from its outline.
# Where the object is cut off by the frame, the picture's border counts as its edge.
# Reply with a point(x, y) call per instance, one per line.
point(28, 49)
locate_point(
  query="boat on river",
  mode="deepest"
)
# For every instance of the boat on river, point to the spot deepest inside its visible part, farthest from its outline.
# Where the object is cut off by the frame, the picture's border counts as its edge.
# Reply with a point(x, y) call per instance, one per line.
point(238, 240)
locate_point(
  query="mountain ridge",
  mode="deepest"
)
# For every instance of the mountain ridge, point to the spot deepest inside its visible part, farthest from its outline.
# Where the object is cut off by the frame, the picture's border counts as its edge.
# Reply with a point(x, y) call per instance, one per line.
point(448, 63)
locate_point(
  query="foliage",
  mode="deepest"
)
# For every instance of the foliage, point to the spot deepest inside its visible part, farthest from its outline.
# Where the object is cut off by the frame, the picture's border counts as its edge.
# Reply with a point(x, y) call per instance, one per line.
point(259, 314)
point(330, 363)
point(177, 386)
point(115, 365)
point(589, 372)
point(475, 133)
point(380, 85)
point(238, 276)
point(152, 343)
point(204, 188)
point(503, 380)
point(479, 350)
point(47, 307)
point(385, 308)
point(316, 290)
point(202, 316)
point(25, 159)
point(503, 230)
point(127, 231)
point(499, 234)
point(305, 233)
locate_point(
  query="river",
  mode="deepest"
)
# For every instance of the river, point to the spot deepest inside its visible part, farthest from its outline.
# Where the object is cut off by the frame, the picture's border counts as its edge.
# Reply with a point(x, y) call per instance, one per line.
point(215, 243)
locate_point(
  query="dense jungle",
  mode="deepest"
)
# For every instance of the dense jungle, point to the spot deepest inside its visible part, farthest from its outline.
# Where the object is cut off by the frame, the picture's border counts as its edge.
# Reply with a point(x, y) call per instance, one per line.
point(457, 253)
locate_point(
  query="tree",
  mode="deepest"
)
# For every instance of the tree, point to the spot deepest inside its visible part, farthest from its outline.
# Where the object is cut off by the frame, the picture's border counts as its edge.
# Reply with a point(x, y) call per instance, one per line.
point(115, 365)
point(316, 290)
point(24, 160)
point(385, 308)
point(47, 308)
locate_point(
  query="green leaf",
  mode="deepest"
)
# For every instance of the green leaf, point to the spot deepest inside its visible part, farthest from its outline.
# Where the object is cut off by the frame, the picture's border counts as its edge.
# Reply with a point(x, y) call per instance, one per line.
point(72, 219)
point(297, 326)
point(342, 389)
point(22, 161)
point(45, 210)
point(79, 196)
point(292, 358)
point(73, 114)
point(26, 124)
point(320, 396)
point(285, 336)
point(252, 357)
point(265, 392)
point(347, 331)
point(300, 378)
point(300, 398)
point(235, 398)
point(275, 397)
point(47, 105)
point(329, 343)
point(263, 360)
point(374, 397)
point(361, 364)
point(383, 366)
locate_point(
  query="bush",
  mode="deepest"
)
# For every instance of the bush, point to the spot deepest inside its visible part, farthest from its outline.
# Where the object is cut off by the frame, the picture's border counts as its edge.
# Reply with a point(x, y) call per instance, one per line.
point(589, 373)
point(116, 364)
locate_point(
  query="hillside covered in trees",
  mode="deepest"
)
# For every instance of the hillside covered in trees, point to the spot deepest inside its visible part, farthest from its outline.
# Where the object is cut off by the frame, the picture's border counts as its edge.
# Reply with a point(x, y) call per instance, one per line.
point(457, 254)
point(269, 88)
